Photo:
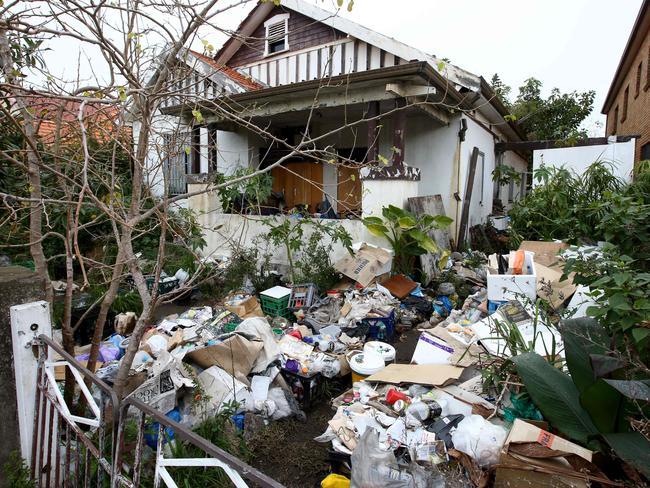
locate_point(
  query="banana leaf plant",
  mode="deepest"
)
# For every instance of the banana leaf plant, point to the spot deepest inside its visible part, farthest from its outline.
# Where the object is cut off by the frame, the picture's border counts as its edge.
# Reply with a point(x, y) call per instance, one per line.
point(407, 235)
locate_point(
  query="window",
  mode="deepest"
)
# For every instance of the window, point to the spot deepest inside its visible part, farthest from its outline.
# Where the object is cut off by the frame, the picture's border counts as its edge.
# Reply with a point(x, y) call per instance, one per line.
point(615, 122)
point(626, 98)
point(175, 163)
point(645, 152)
point(637, 86)
point(277, 34)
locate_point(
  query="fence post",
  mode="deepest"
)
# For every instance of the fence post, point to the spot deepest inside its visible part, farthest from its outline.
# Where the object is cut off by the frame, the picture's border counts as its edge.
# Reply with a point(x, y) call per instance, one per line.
point(28, 321)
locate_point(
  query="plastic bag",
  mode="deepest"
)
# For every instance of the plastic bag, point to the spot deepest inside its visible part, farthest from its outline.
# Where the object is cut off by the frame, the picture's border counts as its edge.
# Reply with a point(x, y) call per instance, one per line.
point(374, 468)
point(479, 439)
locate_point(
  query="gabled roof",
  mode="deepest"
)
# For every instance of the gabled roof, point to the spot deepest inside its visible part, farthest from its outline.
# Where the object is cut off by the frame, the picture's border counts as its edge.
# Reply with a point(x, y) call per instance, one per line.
point(637, 36)
point(259, 13)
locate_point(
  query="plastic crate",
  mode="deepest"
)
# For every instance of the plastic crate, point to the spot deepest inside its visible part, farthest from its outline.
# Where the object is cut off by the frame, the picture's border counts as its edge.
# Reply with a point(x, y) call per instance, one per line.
point(275, 306)
point(302, 296)
point(163, 286)
point(381, 328)
point(304, 388)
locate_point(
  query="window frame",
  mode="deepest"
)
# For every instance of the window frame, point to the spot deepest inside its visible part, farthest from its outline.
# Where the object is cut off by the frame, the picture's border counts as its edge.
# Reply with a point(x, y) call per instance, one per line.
point(626, 102)
point(276, 19)
point(637, 83)
point(647, 72)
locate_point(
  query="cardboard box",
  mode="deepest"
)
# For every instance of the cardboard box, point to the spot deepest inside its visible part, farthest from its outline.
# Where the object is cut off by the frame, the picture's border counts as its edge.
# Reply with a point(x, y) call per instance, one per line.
point(549, 271)
point(368, 264)
point(506, 287)
point(532, 457)
point(247, 308)
point(431, 350)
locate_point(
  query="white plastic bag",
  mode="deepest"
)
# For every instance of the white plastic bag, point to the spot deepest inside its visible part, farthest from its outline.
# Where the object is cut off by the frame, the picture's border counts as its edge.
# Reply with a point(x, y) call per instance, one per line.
point(479, 439)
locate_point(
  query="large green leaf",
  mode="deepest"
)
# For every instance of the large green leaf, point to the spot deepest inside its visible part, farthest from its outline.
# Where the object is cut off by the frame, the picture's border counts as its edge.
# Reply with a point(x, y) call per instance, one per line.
point(603, 403)
point(377, 229)
point(556, 396)
point(442, 221)
point(632, 448)
point(583, 337)
point(373, 220)
point(407, 222)
point(392, 213)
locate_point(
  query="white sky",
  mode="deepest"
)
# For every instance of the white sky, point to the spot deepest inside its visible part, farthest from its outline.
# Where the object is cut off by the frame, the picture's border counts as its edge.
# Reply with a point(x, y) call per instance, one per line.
point(569, 44)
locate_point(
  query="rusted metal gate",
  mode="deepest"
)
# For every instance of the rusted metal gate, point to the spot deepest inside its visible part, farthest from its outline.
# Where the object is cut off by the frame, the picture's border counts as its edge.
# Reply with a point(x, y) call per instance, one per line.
point(73, 450)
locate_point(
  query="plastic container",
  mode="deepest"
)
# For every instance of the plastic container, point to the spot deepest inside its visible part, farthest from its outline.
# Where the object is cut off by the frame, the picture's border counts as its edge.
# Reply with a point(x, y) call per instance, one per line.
point(393, 395)
point(381, 328)
point(303, 388)
point(384, 350)
point(275, 302)
point(302, 296)
point(364, 364)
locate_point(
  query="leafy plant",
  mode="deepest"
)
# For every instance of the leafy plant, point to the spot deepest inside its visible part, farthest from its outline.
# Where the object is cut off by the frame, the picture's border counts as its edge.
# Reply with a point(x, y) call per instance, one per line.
point(407, 234)
point(314, 264)
point(621, 292)
point(242, 195)
point(17, 473)
point(289, 233)
point(594, 404)
point(565, 205)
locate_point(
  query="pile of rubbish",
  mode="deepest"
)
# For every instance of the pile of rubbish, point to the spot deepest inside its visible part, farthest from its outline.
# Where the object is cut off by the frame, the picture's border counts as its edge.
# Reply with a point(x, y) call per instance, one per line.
point(263, 358)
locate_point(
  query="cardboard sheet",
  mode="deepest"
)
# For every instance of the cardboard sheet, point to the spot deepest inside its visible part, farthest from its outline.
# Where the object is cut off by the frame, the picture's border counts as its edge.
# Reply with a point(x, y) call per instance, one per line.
point(422, 374)
point(235, 355)
point(247, 308)
point(399, 286)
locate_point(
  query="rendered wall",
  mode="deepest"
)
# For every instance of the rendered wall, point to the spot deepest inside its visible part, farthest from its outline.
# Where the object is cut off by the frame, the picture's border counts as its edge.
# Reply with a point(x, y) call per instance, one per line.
point(578, 159)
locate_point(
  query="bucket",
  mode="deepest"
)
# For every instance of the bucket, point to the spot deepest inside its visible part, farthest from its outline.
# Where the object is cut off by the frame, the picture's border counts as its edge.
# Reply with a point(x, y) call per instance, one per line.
point(386, 351)
point(364, 364)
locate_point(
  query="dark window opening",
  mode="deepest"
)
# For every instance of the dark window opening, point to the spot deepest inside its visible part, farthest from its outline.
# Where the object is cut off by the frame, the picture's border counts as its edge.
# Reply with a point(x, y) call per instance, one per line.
point(645, 152)
point(626, 98)
point(615, 124)
point(637, 86)
point(212, 150)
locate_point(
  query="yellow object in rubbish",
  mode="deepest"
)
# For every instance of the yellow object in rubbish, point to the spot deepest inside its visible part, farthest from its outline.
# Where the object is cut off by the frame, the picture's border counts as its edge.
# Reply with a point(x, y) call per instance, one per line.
point(335, 481)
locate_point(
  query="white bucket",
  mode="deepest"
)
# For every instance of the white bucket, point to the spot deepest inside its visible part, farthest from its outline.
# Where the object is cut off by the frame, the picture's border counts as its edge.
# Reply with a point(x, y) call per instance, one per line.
point(364, 364)
point(385, 350)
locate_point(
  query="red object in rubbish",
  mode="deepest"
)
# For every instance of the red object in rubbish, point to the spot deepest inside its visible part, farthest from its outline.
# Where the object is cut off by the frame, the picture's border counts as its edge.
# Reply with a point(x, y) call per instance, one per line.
point(295, 333)
point(393, 395)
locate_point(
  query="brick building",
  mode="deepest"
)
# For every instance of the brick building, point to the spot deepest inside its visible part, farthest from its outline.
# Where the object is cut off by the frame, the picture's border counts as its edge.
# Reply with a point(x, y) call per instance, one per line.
point(627, 105)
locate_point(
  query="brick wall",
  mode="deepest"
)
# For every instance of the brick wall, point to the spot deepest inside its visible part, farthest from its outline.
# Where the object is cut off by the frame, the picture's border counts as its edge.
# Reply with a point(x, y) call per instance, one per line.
point(303, 33)
point(637, 119)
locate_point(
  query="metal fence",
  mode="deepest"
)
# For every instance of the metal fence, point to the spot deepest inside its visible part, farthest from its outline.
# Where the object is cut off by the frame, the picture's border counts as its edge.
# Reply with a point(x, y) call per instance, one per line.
point(88, 446)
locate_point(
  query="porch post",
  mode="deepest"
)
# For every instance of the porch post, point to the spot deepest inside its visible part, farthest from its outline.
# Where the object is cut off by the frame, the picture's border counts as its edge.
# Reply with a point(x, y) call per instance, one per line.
point(399, 130)
point(373, 143)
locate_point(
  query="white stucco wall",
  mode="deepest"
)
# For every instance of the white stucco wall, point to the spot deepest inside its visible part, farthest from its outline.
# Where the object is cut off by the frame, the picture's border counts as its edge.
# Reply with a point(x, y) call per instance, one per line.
point(223, 231)
point(377, 194)
point(578, 159)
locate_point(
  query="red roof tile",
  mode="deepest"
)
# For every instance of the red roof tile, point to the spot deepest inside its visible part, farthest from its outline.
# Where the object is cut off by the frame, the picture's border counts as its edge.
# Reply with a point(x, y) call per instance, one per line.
point(239, 78)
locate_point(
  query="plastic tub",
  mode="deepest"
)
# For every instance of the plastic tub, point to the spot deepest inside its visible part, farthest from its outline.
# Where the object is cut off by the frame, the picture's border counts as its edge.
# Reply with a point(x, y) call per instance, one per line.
point(386, 351)
point(364, 364)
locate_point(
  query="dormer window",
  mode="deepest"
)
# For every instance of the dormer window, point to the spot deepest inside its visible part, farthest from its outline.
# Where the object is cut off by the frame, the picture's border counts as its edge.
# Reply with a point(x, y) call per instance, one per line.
point(277, 34)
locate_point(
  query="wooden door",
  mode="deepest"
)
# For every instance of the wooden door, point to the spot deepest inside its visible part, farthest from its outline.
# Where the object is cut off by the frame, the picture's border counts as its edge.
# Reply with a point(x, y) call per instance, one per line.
point(348, 193)
point(301, 183)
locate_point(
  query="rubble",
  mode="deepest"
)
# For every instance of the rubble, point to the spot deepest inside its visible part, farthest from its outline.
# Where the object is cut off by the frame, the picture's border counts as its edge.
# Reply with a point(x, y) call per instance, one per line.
point(265, 357)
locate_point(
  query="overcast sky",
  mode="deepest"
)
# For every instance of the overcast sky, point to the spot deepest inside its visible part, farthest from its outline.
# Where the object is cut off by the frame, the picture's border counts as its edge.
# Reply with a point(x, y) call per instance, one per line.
point(569, 44)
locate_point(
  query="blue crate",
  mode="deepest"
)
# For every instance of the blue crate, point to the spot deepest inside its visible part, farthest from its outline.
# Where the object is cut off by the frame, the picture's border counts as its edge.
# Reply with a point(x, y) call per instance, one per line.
point(381, 328)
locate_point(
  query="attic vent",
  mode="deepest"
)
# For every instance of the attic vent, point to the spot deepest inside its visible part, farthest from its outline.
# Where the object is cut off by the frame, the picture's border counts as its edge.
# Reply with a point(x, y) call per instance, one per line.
point(277, 39)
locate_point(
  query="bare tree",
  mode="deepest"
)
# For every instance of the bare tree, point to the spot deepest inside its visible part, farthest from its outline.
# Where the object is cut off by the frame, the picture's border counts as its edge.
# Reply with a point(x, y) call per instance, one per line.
point(137, 59)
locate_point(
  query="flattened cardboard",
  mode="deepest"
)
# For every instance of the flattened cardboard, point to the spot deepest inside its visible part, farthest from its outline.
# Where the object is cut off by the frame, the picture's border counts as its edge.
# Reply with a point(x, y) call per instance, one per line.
point(367, 264)
point(234, 355)
point(399, 286)
point(535, 458)
point(559, 290)
point(422, 374)
point(546, 253)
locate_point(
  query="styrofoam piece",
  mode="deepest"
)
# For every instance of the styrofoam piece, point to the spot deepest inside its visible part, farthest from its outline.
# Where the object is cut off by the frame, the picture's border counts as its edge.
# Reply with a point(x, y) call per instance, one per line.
point(277, 292)
point(507, 287)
